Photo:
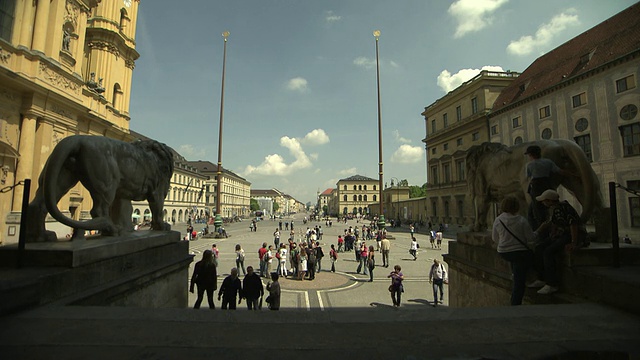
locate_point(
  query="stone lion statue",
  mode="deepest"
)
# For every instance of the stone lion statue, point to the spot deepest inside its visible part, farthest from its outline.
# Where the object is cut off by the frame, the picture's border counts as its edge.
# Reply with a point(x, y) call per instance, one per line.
point(495, 170)
point(114, 172)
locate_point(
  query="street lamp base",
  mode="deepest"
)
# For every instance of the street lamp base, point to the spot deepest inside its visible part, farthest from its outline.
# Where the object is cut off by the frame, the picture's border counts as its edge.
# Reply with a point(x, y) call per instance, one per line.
point(381, 222)
point(217, 222)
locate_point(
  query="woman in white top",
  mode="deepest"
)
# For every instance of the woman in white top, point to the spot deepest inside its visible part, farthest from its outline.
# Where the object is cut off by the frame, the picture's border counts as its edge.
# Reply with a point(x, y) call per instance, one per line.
point(282, 267)
point(240, 259)
point(513, 234)
point(414, 248)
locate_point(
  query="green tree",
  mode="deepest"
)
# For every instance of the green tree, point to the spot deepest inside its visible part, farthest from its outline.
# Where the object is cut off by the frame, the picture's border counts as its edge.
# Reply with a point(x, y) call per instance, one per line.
point(276, 206)
point(418, 191)
point(325, 209)
point(253, 205)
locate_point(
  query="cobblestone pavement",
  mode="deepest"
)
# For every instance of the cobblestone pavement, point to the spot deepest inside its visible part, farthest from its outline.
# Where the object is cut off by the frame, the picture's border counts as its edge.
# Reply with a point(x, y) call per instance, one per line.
point(342, 289)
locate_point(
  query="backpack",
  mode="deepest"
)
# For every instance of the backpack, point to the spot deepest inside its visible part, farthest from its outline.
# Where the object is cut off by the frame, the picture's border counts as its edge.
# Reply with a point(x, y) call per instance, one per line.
point(320, 252)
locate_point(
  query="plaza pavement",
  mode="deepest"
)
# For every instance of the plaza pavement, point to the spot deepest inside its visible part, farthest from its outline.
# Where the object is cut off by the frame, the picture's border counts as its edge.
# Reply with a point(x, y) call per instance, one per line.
point(342, 289)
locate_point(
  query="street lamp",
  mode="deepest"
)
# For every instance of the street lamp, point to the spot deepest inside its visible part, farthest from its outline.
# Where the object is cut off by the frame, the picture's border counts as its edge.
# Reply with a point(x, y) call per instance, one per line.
point(381, 221)
point(218, 220)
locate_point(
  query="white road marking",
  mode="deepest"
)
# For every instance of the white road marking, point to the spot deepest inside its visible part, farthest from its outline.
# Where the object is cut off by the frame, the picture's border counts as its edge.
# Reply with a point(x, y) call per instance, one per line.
point(320, 300)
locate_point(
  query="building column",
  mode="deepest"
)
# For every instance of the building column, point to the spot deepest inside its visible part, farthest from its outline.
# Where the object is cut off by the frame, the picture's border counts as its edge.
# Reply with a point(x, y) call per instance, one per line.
point(25, 162)
point(41, 24)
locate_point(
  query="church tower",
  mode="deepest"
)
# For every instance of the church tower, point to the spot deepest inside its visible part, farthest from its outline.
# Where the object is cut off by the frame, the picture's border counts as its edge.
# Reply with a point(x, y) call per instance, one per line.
point(65, 69)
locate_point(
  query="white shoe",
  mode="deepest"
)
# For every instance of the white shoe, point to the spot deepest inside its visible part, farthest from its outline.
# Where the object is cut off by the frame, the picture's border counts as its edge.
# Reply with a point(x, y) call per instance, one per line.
point(547, 289)
point(536, 284)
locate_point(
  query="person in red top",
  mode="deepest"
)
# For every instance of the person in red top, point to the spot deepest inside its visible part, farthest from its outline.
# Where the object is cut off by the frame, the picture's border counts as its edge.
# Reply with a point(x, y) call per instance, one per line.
point(263, 264)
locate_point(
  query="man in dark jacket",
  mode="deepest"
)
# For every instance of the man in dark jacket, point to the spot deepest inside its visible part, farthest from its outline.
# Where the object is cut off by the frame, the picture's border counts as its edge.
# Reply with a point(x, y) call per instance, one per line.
point(252, 289)
point(229, 290)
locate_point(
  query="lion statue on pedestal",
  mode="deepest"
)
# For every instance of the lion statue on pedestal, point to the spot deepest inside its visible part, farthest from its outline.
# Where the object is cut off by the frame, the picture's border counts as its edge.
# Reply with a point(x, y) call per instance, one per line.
point(495, 170)
point(114, 172)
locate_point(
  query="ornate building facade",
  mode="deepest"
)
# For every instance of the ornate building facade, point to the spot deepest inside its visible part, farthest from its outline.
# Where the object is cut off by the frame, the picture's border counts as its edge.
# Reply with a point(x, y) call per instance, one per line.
point(65, 69)
point(453, 124)
point(355, 194)
point(235, 192)
point(585, 90)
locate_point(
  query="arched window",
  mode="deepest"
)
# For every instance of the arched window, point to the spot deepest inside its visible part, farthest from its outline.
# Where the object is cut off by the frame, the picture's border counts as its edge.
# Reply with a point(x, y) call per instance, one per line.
point(355, 187)
point(345, 210)
point(365, 188)
point(460, 209)
point(354, 211)
point(355, 197)
point(446, 209)
point(359, 187)
point(374, 198)
point(374, 188)
point(365, 197)
point(359, 197)
point(518, 140)
point(345, 187)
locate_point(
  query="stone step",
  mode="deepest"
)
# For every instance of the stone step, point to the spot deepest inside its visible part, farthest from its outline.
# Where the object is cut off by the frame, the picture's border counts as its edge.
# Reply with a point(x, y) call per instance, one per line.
point(575, 331)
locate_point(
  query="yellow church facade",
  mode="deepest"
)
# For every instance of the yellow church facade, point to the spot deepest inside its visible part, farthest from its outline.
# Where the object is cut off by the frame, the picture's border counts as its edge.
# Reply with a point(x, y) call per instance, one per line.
point(65, 69)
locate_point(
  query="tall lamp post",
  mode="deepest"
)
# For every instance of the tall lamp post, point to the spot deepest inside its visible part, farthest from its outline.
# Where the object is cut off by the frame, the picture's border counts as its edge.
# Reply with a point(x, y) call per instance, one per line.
point(381, 221)
point(218, 219)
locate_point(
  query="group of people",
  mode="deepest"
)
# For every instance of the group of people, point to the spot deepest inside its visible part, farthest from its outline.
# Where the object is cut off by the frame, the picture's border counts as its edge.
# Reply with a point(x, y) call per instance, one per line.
point(205, 278)
point(552, 226)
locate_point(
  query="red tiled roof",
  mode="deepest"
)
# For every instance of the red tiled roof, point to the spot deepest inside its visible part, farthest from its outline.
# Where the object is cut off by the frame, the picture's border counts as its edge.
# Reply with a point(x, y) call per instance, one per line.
point(327, 192)
point(610, 40)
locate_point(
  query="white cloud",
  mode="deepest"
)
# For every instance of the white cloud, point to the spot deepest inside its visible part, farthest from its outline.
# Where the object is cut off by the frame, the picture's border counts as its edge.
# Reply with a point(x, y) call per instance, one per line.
point(275, 164)
point(190, 152)
point(331, 17)
point(545, 34)
point(396, 135)
point(315, 137)
point(448, 82)
point(394, 64)
point(314, 156)
point(350, 171)
point(473, 15)
point(407, 154)
point(365, 62)
point(298, 84)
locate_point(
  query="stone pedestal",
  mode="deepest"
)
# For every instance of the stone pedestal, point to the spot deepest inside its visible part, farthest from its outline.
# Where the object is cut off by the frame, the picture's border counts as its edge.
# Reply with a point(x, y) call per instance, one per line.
point(143, 269)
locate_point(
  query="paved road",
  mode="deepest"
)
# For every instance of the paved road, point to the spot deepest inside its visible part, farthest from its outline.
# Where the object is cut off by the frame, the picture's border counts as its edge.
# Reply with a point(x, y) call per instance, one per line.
point(343, 289)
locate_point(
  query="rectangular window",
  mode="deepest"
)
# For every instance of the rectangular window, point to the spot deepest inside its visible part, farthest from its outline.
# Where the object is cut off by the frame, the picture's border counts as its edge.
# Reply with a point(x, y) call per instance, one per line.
point(545, 112)
point(585, 144)
point(446, 146)
point(6, 18)
point(516, 122)
point(433, 126)
point(459, 142)
point(460, 169)
point(631, 139)
point(475, 136)
point(458, 113)
point(474, 105)
point(446, 168)
point(494, 129)
point(634, 203)
point(579, 100)
point(434, 175)
point(445, 120)
point(433, 151)
point(625, 84)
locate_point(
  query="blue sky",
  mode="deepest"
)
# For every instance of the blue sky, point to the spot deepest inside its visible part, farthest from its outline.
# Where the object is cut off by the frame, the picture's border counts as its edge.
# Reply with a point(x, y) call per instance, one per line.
point(300, 108)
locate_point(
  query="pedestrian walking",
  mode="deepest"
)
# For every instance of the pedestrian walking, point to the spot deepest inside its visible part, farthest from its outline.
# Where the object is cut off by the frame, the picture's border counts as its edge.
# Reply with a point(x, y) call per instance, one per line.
point(282, 267)
point(396, 289)
point(385, 246)
point(274, 292)
point(263, 264)
point(333, 255)
point(371, 262)
point(206, 278)
point(438, 277)
point(319, 256)
point(276, 239)
point(252, 289)
point(240, 259)
point(413, 250)
point(229, 290)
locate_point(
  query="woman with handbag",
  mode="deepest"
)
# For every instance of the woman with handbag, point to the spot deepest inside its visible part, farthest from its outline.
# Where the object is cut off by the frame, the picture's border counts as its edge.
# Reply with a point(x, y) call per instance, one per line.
point(512, 232)
point(396, 289)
